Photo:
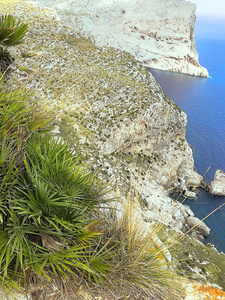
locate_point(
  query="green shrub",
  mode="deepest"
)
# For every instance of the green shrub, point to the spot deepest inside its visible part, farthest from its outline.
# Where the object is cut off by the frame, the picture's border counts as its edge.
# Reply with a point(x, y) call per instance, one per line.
point(11, 34)
point(47, 200)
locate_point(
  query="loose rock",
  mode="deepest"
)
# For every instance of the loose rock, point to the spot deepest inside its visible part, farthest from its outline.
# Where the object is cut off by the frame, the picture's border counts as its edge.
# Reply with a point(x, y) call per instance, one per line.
point(217, 186)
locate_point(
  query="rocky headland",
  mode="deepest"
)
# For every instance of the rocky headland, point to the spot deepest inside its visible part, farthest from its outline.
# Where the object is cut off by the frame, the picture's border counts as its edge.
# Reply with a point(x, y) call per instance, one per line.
point(114, 112)
point(160, 34)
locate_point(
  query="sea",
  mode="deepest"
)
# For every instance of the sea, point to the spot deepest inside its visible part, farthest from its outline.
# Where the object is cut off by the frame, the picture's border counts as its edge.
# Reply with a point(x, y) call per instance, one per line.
point(203, 100)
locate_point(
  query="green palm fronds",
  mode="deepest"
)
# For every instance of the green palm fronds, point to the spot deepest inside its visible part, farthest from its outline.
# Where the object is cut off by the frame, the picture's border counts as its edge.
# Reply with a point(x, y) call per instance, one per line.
point(11, 34)
point(56, 162)
point(11, 31)
point(17, 120)
point(47, 200)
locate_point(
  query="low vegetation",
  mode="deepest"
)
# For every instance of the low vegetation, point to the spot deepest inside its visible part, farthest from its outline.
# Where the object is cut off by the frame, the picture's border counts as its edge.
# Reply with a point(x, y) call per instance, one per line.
point(47, 196)
point(49, 215)
point(11, 34)
point(60, 237)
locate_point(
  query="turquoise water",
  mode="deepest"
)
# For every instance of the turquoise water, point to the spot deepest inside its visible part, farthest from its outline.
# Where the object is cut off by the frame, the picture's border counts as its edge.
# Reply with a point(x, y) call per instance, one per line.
point(203, 100)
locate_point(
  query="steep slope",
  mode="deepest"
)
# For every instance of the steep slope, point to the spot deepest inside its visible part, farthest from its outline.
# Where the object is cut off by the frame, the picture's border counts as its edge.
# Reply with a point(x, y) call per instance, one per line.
point(114, 112)
point(160, 34)
point(109, 106)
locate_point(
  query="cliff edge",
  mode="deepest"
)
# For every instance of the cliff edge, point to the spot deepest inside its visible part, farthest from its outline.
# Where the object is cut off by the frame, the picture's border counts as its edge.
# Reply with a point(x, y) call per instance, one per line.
point(160, 34)
point(113, 111)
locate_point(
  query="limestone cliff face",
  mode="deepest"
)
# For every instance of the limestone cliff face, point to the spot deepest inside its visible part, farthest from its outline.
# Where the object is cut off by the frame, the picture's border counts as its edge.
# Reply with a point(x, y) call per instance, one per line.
point(160, 34)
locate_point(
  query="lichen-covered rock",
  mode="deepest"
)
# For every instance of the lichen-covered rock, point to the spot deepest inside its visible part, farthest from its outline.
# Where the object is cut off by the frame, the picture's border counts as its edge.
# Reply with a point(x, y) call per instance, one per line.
point(198, 291)
point(161, 34)
point(217, 186)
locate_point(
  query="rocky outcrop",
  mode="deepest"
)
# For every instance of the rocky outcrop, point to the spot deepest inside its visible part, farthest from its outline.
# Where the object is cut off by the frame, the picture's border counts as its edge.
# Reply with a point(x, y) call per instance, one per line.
point(160, 34)
point(194, 223)
point(217, 186)
point(198, 291)
point(112, 109)
point(160, 207)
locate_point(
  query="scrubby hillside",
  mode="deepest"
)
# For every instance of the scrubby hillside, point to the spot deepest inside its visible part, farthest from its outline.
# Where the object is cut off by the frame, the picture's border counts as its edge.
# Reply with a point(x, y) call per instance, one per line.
point(112, 110)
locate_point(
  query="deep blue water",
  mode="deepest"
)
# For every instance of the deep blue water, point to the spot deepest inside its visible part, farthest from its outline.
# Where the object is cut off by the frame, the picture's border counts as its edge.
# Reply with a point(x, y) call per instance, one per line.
point(203, 100)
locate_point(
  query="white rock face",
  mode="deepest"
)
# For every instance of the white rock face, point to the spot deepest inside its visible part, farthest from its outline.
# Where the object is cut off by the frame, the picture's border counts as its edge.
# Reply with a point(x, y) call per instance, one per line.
point(160, 207)
point(217, 186)
point(161, 34)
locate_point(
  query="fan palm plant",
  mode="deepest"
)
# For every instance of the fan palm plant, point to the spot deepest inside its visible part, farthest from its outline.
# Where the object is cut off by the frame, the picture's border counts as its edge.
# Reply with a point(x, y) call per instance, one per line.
point(11, 34)
point(47, 200)
point(48, 213)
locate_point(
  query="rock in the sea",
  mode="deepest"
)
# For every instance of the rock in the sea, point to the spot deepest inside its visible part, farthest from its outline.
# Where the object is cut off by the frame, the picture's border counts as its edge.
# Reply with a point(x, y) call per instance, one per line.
point(217, 186)
point(161, 34)
point(190, 194)
point(198, 226)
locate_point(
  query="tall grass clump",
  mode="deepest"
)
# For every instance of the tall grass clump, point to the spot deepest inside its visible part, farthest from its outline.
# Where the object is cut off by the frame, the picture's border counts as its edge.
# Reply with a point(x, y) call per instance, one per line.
point(142, 266)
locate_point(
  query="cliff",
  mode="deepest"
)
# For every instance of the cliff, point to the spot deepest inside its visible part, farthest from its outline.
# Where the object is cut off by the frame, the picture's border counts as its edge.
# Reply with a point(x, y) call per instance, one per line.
point(115, 113)
point(160, 34)
point(112, 109)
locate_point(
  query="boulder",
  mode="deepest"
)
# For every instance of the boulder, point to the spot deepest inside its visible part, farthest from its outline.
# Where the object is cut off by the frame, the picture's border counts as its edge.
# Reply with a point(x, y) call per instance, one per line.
point(217, 186)
point(198, 226)
point(190, 194)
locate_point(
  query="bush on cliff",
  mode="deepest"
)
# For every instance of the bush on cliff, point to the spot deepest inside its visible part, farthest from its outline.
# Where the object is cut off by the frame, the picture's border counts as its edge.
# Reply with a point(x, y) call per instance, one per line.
point(11, 34)
point(48, 223)
point(47, 198)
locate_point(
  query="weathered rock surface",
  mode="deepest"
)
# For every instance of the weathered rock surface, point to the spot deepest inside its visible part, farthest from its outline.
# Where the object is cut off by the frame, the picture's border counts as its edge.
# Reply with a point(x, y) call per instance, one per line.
point(161, 34)
point(198, 291)
point(217, 186)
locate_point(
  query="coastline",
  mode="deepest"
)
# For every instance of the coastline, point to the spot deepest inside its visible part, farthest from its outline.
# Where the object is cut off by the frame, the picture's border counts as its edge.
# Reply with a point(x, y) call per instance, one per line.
point(122, 155)
point(156, 144)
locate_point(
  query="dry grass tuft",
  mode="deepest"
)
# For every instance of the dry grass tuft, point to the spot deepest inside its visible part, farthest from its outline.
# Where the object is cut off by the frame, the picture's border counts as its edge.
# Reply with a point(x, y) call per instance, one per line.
point(140, 267)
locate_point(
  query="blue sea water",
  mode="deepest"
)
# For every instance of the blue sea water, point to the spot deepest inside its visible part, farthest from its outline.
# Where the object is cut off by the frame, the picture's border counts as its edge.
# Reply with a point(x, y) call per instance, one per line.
point(203, 100)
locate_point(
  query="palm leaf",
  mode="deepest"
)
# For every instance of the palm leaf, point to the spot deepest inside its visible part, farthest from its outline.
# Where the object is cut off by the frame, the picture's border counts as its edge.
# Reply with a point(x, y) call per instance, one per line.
point(59, 164)
point(17, 36)
point(11, 32)
point(7, 27)
point(5, 33)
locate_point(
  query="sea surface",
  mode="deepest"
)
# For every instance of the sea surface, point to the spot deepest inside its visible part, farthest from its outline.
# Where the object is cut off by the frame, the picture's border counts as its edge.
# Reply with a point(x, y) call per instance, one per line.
point(203, 100)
